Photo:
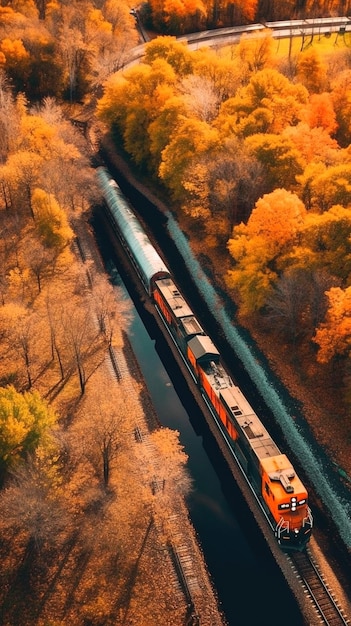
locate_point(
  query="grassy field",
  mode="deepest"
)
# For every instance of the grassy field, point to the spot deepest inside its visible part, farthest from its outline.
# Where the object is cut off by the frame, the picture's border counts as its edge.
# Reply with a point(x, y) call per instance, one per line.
point(325, 44)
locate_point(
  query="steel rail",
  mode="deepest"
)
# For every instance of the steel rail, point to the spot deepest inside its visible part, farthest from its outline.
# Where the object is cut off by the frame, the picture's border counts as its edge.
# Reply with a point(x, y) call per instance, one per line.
point(321, 596)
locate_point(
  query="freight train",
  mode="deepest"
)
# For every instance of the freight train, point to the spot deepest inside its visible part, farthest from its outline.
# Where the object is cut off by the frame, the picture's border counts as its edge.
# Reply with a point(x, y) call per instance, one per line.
point(278, 488)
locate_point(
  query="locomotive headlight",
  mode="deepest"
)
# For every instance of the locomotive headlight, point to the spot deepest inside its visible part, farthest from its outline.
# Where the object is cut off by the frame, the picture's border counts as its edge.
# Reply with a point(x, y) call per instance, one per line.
point(293, 504)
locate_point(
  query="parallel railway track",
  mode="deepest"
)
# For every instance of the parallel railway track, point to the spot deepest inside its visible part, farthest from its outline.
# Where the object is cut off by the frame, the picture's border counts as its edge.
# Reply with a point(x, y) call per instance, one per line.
point(321, 596)
point(232, 34)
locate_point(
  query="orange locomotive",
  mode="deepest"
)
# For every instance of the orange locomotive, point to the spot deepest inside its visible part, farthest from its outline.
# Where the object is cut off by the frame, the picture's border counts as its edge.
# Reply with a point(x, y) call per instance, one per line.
point(270, 473)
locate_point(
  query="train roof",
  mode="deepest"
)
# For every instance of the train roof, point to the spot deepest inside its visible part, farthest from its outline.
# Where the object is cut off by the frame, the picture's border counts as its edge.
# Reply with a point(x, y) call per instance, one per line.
point(202, 346)
point(260, 440)
point(173, 297)
point(179, 307)
point(234, 400)
point(280, 471)
point(140, 245)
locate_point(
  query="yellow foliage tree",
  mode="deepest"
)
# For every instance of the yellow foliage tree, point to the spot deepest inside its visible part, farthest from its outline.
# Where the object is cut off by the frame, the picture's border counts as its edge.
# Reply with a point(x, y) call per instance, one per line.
point(174, 52)
point(251, 277)
point(37, 135)
point(21, 173)
point(277, 217)
point(25, 420)
point(342, 105)
point(327, 186)
point(132, 102)
point(170, 115)
point(311, 71)
point(325, 243)
point(196, 184)
point(255, 53)
point(279, 157)
point(178, 16)
point(224, 75)
point(191, 139)
point(268, 104)
point(52, 222)
point(13, 51)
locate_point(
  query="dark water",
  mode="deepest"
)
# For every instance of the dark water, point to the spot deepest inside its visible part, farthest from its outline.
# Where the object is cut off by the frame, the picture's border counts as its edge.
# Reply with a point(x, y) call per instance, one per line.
point(248, 583)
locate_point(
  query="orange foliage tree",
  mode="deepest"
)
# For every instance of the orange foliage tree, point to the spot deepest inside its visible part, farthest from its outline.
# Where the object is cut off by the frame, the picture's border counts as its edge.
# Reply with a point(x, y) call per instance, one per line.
point(320, 113)
point(180, 16)
point(314, 145)
point(333, 336)
point(257, 246)
point(311, 71)
point(342, 105)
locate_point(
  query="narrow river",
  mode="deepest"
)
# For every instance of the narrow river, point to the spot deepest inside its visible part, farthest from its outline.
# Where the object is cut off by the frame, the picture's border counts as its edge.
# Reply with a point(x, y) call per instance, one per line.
point(249, 585)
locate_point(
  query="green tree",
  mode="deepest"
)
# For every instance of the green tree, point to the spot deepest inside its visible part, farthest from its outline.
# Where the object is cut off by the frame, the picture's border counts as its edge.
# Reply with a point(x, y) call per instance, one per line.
point(25, 421)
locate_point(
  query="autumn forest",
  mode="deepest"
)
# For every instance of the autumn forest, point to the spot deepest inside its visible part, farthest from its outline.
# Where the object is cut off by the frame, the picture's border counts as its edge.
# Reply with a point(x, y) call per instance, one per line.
point(256, 152)
point(249, 144)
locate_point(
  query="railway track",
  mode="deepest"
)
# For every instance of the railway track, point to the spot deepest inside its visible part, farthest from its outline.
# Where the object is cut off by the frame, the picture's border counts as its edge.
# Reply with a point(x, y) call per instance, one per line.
point(327, 608)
